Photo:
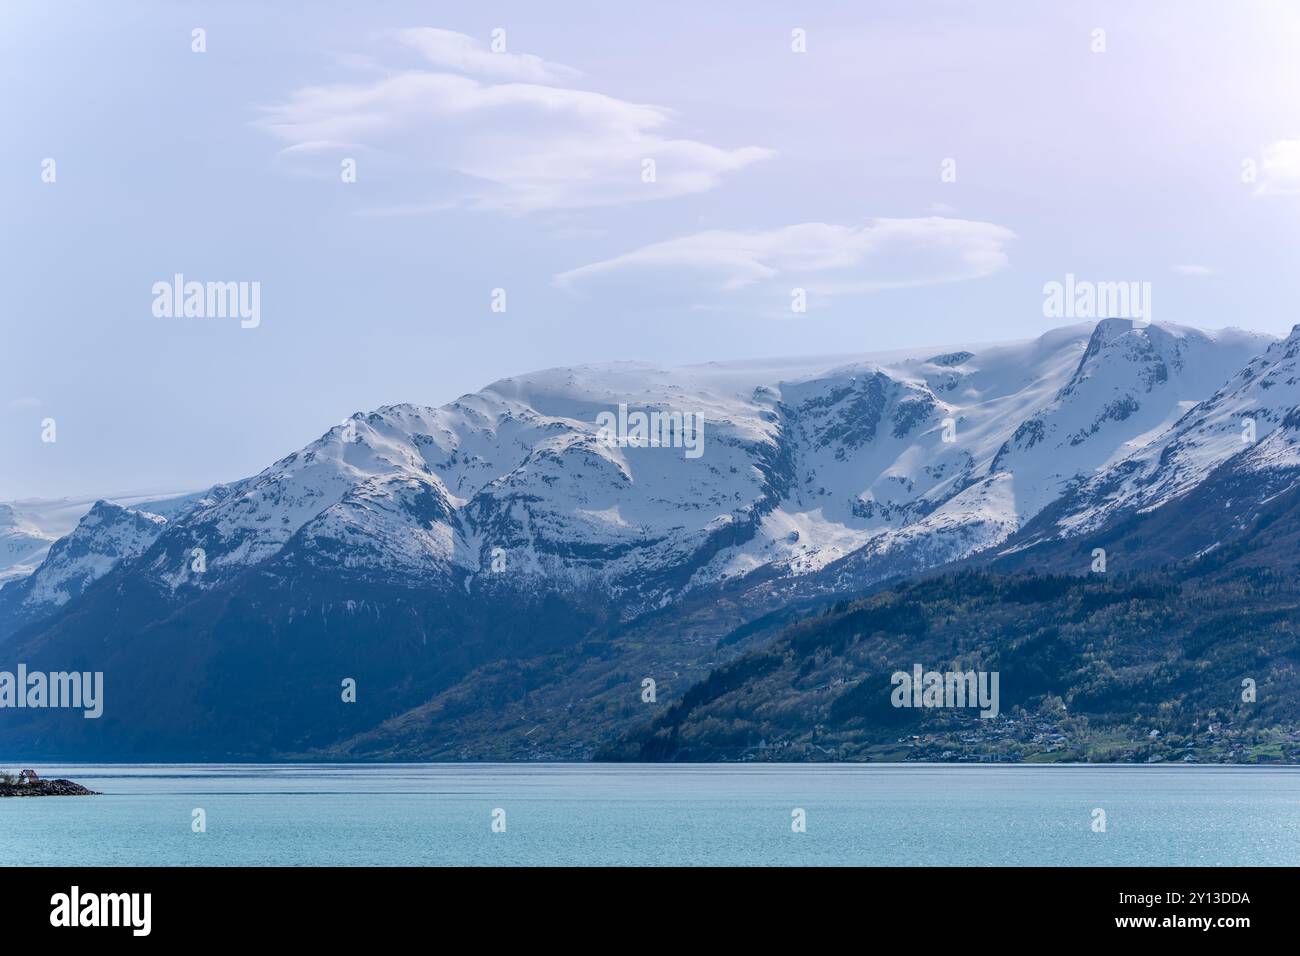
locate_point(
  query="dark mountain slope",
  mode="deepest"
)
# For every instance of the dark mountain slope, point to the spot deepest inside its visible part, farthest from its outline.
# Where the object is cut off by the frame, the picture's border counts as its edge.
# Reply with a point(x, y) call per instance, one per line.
point(1096, 666)
point(257, 668)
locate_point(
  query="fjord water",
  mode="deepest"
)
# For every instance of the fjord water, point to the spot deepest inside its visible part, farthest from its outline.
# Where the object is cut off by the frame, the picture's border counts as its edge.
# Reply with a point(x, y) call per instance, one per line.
point(725, 814)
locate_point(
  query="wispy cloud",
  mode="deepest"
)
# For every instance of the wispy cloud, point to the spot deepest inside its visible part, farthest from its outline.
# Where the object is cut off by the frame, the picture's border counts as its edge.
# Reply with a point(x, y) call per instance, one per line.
point(824, 258)
point(1279, 169)
point(521, 144)
point(459, 53)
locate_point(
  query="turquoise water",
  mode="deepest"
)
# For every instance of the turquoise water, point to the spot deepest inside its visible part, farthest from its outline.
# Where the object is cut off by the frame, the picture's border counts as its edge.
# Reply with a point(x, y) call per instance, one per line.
point(651, 814)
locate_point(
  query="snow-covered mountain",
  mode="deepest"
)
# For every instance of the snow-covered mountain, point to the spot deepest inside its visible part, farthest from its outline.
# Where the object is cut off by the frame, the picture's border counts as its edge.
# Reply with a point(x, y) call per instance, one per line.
point(410, 546)
point(1029, 422)
point(913, 460)
point(1249, 425)
point(61, 566)
point(106, 535)
point(28, 527)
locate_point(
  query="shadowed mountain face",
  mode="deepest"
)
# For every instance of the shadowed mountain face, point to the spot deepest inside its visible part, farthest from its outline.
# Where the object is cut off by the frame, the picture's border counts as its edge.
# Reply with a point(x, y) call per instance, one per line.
point(505, 562)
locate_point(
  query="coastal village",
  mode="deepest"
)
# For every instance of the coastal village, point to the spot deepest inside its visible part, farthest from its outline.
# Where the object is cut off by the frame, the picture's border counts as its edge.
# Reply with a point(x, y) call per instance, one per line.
point(1025, 737)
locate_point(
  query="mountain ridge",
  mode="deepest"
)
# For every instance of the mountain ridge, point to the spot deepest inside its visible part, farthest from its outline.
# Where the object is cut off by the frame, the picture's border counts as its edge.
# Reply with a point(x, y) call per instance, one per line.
point(395, 529)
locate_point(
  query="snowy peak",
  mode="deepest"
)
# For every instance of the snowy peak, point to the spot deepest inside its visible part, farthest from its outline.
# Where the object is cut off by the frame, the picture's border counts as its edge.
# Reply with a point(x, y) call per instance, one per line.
point(1236, 421)
point(1144, 356)
point(28, 527)
point(1149, 349)
point(1132, 382)
point(106, 536)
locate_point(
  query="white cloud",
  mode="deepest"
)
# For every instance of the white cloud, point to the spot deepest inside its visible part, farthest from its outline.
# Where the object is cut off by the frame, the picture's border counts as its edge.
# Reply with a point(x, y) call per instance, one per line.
point(459, 53)
point(1194, 270)
point(1279, 169)
point(518, 145)
point(825, 259)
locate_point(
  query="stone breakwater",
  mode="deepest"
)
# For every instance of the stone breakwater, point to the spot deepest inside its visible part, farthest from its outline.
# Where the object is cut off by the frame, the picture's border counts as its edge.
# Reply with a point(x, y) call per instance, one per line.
point(46, 788)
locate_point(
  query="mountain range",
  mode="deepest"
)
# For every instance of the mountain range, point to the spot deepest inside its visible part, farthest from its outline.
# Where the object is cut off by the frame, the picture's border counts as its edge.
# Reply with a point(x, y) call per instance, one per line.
point(500, 579)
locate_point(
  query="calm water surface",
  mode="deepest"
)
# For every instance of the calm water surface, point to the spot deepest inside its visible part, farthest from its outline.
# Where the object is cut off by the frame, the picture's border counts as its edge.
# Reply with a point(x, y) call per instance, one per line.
point(424, 814)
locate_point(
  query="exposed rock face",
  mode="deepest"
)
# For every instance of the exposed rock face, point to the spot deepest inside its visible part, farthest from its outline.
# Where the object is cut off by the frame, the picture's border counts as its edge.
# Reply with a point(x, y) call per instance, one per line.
point(46, 788)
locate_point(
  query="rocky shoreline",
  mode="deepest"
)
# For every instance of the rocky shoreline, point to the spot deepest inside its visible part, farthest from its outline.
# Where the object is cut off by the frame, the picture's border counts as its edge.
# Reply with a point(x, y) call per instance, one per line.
point(46, 788)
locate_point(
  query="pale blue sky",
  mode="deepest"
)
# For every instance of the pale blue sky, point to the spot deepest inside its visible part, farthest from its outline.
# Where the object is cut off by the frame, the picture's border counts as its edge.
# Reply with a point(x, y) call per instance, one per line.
point(522, 170)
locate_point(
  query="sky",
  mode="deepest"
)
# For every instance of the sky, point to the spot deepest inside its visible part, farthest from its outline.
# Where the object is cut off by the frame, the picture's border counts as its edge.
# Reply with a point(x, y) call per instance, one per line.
point(541, 185)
